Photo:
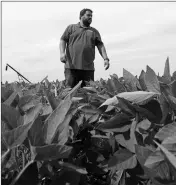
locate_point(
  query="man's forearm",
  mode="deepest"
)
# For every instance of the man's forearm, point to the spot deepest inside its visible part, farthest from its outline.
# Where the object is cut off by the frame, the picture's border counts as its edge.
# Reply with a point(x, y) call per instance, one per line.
point(102, 51)
point(62, 46)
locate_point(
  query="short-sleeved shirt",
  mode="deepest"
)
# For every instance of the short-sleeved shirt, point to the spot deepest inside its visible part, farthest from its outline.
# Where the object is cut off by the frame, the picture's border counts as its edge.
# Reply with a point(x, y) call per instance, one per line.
point(80, 49)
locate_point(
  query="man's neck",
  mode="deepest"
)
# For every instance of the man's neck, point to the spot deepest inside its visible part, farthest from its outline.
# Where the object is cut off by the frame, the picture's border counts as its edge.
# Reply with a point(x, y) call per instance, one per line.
point(82, 25)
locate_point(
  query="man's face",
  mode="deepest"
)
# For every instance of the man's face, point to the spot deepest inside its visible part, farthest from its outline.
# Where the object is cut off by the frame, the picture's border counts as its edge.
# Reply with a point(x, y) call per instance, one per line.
point(87, 18)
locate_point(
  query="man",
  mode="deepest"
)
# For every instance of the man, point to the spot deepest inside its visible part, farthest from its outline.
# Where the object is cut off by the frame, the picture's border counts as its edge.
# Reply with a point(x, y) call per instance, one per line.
point(77, 50)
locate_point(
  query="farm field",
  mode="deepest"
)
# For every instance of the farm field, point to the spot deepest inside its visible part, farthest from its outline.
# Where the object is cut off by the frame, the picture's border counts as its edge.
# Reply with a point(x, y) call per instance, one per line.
point(120, 131)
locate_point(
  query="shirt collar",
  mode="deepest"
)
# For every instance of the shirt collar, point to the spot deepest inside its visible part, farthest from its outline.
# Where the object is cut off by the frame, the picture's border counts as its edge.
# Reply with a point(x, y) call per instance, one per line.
point(81, 26)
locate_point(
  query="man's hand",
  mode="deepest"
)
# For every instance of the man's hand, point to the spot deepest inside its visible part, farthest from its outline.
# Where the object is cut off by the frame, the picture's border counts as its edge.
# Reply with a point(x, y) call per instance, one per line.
point(63, 58)
point(106, 64)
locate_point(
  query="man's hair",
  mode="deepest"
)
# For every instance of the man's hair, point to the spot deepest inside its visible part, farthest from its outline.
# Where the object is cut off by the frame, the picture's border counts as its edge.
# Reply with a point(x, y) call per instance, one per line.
point(83, 11)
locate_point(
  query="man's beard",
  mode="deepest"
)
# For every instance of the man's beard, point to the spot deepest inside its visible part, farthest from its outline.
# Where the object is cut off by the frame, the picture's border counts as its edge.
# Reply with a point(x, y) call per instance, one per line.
point(86, 22)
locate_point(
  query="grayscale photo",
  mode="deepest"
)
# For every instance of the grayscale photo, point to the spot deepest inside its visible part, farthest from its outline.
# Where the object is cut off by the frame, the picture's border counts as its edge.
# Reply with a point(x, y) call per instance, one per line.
point(88, 93)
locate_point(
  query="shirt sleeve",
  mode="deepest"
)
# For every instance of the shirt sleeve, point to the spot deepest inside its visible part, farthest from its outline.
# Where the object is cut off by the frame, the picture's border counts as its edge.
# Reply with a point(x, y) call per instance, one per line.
point(98, 40)
point(66, 34)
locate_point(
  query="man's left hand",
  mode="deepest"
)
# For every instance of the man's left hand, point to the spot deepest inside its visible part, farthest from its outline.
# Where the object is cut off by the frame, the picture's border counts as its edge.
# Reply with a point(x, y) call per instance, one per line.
point(106, 64)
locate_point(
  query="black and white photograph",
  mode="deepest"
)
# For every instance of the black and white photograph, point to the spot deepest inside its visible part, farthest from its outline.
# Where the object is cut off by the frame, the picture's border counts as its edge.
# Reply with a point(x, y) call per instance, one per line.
point(88, 93)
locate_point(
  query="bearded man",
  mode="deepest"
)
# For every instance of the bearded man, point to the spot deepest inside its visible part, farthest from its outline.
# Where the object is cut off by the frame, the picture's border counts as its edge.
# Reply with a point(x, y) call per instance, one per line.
point(77, 50)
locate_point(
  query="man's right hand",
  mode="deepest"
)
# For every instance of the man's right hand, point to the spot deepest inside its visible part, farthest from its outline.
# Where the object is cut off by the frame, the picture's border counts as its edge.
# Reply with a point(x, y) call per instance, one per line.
point(63, 58)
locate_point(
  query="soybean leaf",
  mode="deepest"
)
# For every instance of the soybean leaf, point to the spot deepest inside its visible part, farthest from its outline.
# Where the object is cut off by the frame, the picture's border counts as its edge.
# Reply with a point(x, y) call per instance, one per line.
point(32, 113)
point(126, 106)
point(115, 179)
point(164, 107)
point(144, 124)
point(50, 152)
point(16, 136)
point(129, 144)
point(154, 159)
point(118, 85)
point(122, 159)
point(172, 101)
point(142, 80)
point(131, 80)
point(35, 134)
point(5, 157)
point(145, 113)
point(167, 131)
point(29, 101)
point(111, 101)
point(62, 178)
point(142, 153)
point(119, 123)
point(138, 97)
point(170, 140)
point(151, 81)
point(58, 115)
point(10, 116)
point(12, 97)
point(167, 75)
point(51, 98)
point(55, 119)
point(72, 167)
point(168, 154)
point(173, 88)
point(28, 175)
point(63, 128)
point(5, 93)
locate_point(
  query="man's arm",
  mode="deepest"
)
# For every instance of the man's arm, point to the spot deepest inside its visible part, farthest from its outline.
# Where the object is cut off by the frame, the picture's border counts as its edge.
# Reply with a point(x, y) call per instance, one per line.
point(62, 47)
point(102, 51)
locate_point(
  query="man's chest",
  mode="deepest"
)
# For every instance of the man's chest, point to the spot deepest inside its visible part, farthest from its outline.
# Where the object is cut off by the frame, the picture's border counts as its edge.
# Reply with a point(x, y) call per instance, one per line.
point(82, 35)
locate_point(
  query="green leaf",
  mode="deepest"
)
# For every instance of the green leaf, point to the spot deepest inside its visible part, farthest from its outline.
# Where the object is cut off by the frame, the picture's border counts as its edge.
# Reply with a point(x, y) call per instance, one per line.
point(142, 153)
point(10, 116)
point(144, 124)
point(167, 131)
point(151, 81)
point(164, 107)
point(111, 101)
point(170, 140)
point(58, 115)
point(122, 159)
point(173, 88)
point(138, 97)
point(119, 123)
point(50, 152)
point(5, 158)
point(131, 80)
point(172, 101)
point(63, 128)
point(12, 97)
point(5, 93)
point(168, 154)
point(32, 113)
point(66, 177)
point(51, 98)
point(145, 113)
point(16, 136)
point(90, 89)
point(72, 167)
point(167, 75)
point(28, 175)
point(116, 177)
point(126, 106)
point(142, 80)
point(35, 134)
point(129, 144)
point(29, 101)
point(119, 86)
point(55, 119)
point(154, 159)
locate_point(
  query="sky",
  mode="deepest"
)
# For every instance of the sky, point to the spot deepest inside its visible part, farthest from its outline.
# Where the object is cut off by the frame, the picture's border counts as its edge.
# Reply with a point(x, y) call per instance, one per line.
point(135, 34)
